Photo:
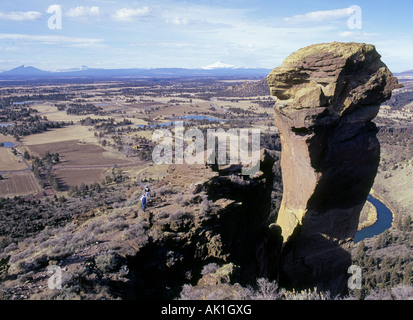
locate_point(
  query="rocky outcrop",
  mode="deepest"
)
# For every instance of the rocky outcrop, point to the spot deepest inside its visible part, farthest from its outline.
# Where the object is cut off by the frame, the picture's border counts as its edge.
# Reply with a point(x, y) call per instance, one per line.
point(327, 96)
point(248, 89)
point(200, 217)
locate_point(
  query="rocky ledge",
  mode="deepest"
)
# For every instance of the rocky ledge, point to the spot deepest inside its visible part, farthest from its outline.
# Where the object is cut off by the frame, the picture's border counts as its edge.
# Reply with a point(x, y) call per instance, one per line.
point(327, 95)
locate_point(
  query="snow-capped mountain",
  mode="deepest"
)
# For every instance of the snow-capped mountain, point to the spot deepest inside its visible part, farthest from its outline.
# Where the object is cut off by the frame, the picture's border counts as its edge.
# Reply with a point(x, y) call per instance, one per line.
point(219, 65)
point(82, 68)
point(25, 70)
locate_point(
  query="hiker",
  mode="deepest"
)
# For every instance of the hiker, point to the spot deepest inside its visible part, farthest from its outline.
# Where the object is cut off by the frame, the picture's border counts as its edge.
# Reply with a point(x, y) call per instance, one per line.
point(143, 200)
point(148, 193)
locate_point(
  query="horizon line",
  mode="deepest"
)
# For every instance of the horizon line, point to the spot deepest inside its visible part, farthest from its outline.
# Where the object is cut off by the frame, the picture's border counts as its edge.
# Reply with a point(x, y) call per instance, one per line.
point(86, 68)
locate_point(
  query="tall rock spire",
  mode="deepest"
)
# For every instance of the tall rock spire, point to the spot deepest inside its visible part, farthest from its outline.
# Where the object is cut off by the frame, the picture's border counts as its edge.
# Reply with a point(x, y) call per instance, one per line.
point(327, 95)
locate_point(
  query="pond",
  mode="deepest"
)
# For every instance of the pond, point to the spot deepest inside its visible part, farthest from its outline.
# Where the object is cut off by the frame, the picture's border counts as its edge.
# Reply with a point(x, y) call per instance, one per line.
point(196, 117)
point(164, 124)
point(384, 221)
point(6, 144)
point(189, 117)
point(25, 102)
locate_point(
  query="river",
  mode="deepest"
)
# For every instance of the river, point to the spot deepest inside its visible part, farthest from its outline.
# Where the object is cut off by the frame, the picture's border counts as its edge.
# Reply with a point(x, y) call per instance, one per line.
point(384, 221)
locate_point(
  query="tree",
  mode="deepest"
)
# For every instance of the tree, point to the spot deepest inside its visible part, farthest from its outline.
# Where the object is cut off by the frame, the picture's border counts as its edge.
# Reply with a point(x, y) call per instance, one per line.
point(83, 189)
point(53, 181)
point(26, 155)
point(56, 158)
point(36, 172)
point(407, 277)
point(360, 253)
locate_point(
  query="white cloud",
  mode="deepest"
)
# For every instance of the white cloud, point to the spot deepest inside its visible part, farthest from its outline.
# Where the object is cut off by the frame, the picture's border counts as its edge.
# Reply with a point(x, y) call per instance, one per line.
point(178, 21)
point(21, 16)
point(200, 16)
point(84, 11)
point(319, 16)
point(62, 40)
point(347, 34)
point(127, 14)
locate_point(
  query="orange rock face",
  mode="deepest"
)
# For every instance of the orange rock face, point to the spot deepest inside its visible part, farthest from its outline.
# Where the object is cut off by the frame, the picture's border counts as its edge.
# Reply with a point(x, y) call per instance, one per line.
point(327, 95)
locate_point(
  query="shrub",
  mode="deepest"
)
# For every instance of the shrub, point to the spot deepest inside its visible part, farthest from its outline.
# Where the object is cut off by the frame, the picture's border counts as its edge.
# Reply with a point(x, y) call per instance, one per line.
point(161, 215)
point(218, 292)
point(134, 199)
point(137, 233)
point(165, 190)
point(108, 262)
point(209, 268)
point(307, 295)
point(10, 247)
point(206, 207)
point(179, 199)
point(118, 224)
point(266, 290)
point(181, 220)
point(402, 292)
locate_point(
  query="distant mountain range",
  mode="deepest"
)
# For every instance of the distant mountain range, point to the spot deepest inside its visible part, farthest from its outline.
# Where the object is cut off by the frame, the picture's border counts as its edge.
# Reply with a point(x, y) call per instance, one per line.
point(218, 69)
point(405, 73)
point(24, 71)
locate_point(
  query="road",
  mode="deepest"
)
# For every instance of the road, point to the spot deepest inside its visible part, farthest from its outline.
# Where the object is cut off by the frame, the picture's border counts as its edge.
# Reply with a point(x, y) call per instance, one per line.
point(101, 166)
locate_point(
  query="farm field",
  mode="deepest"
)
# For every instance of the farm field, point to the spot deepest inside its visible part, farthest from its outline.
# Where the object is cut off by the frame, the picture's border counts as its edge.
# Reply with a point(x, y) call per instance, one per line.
point(73, 153)
point(18, 184)
point(94, 127)
point(76, 132)
point(9, 161)
point(74, 177)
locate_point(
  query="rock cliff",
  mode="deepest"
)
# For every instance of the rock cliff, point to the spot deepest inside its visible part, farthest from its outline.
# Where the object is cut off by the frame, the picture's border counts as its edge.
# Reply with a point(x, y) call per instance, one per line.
point(327, 95)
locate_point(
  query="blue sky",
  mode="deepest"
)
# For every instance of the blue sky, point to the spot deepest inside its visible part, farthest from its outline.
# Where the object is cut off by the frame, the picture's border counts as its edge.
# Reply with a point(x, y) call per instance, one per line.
point(193, 34)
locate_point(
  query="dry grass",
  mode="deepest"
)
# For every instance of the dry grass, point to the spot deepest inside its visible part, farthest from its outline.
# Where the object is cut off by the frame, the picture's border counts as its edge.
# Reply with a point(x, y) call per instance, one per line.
point(143, 134)
point(10, 162)
point(395, 186)
point(154, 172)
point(53, 114)
point(368, 216)
point(76, 132)
point(4, 138)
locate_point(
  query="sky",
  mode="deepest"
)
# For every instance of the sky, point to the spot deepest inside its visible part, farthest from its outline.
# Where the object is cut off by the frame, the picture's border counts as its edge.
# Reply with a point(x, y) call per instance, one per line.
point(62, 34)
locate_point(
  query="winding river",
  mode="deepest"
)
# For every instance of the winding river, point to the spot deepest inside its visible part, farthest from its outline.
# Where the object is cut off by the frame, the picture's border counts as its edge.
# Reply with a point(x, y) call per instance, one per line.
point(384, 221)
